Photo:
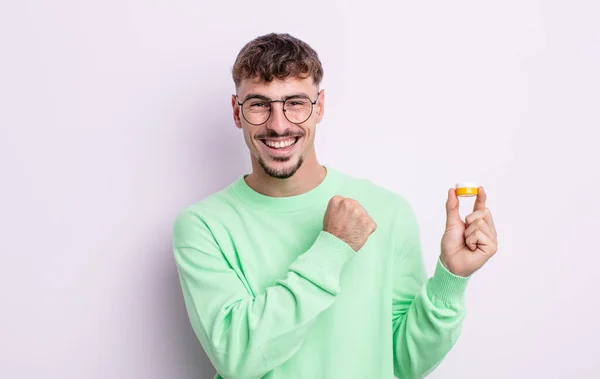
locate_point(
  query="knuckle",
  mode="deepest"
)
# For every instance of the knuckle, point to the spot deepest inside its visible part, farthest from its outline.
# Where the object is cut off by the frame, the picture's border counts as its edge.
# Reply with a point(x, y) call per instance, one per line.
point(334, 201)
point(347, 202)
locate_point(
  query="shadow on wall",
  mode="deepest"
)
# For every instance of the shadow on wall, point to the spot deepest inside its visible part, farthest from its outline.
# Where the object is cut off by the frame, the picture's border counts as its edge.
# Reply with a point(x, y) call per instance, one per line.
point(212, 153)
point(217, 151)
point(187, 354)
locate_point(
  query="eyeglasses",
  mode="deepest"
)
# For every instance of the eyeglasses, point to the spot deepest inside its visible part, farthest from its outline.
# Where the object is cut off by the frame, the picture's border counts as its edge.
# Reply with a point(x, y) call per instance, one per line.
point(256, 110)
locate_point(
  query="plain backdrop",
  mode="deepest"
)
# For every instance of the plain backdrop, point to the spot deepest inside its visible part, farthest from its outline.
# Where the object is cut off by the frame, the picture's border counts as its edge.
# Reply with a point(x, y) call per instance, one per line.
point(114, 115)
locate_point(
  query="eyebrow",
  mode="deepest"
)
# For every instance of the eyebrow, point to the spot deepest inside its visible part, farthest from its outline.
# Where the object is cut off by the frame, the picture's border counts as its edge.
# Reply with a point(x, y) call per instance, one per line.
point(259, 96)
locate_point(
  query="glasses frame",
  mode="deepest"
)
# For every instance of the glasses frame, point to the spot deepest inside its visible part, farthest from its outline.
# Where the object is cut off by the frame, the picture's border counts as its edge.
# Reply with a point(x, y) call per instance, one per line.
point(312, 107)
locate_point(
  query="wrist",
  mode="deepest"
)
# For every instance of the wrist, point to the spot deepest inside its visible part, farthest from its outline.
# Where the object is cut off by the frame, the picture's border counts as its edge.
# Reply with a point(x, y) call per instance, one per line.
point(447, 286)
point(452, 268)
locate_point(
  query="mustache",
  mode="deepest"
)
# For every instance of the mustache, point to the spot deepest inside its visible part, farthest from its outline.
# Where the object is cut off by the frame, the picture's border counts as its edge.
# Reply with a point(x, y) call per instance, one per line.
point(273, 135)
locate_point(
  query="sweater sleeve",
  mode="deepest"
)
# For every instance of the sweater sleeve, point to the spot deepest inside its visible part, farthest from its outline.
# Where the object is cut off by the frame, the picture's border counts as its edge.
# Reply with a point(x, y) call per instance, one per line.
point(246, 335)
point(427, 312)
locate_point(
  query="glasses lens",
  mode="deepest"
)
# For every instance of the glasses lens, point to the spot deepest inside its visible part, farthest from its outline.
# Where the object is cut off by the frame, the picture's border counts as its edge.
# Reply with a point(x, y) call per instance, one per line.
point(256, 111)
point(298, 109)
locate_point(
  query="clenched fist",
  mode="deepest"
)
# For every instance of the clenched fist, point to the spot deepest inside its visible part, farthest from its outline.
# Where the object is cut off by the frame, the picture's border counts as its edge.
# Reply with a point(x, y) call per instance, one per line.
point(347, 220)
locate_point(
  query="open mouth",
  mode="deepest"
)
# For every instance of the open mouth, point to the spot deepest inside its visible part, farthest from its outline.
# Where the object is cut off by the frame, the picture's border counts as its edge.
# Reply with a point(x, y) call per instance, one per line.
point(280, 145)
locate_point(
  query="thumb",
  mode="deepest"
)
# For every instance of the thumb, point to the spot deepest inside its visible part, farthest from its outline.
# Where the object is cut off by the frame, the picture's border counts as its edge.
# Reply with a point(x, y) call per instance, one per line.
point(452, 215)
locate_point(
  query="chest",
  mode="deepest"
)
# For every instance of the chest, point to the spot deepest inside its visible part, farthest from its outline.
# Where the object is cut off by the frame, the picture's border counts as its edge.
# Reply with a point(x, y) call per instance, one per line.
point(261, 249)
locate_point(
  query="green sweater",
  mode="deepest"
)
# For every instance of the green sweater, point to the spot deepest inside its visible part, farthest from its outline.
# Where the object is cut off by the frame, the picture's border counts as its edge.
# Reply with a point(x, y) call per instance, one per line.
point(271, 295)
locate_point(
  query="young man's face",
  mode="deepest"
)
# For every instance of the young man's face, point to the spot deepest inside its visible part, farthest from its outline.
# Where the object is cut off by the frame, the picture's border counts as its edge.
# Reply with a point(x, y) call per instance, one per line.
point(278, 145)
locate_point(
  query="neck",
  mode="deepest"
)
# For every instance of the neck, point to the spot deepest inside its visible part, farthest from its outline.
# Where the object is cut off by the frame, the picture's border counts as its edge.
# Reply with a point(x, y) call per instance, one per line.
point(308, 177)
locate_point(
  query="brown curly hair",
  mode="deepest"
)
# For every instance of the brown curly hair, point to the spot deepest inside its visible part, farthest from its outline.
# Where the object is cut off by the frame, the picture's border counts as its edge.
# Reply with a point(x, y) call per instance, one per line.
point(279, 56)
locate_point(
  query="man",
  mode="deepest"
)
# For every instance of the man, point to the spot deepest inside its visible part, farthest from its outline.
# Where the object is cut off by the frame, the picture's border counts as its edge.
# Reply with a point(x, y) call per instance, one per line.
point(297, 270)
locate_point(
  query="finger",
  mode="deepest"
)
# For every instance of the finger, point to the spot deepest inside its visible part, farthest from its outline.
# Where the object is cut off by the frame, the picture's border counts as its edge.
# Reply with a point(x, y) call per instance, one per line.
point(485, 214)
point(479, 240)
point(480, 201)
point(480, 224)
point(373, 227)
point(452, 215)
point(335, 200)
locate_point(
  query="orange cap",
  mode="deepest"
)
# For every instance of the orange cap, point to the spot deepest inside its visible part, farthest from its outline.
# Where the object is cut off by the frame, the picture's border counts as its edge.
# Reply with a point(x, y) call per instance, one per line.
point(467, 189)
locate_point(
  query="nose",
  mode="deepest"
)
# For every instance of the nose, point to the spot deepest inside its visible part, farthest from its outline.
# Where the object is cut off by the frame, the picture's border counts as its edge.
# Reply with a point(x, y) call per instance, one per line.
point(277, 122)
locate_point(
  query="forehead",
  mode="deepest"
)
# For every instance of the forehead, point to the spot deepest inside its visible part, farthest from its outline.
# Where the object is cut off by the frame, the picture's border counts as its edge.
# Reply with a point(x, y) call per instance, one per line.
point(278, 88)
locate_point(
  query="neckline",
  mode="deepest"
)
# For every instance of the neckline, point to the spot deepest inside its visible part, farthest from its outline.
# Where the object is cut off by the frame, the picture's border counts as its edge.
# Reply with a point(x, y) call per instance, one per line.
point(323, 191)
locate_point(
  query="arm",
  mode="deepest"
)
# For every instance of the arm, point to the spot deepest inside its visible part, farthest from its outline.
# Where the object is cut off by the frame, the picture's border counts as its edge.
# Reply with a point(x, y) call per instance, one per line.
point(427, 313)
point(246, 336)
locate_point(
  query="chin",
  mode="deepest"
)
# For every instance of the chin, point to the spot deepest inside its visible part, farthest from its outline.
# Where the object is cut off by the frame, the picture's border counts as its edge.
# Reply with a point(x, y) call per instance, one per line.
point(281, 170)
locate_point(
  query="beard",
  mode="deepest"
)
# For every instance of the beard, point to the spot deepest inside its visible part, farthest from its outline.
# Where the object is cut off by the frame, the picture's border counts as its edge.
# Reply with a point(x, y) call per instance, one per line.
point(285, 173)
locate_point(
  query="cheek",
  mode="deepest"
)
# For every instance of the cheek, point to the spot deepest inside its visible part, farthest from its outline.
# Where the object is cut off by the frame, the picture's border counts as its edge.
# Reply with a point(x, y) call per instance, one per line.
point(248, 137)
point(251, 142)
point(310, 135)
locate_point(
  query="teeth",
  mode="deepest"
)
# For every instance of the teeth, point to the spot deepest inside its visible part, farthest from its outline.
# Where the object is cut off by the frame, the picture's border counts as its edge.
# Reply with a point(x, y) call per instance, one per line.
point(280, 144)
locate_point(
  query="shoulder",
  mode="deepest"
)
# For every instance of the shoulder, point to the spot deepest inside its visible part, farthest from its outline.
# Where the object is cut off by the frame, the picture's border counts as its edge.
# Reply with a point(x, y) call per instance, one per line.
point(390, 209)
point(204, 214)
point(374, 196)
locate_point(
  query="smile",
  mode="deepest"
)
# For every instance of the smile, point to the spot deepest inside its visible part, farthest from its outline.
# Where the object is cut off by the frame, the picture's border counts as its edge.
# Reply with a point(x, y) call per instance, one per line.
point(281, 144)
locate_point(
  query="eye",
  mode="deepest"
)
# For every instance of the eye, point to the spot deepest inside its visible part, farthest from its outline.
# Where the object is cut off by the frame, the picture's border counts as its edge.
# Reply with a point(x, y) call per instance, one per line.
point(258, 104)
point(296, 103)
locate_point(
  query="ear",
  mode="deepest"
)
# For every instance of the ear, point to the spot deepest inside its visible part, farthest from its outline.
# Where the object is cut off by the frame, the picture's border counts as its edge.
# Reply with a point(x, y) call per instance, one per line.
point(320, 106)
point(236, 112)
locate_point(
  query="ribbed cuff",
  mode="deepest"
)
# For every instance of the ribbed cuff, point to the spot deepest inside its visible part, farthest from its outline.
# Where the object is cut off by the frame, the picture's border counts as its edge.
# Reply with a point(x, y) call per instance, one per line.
point(446, 286)
point(329, 252)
